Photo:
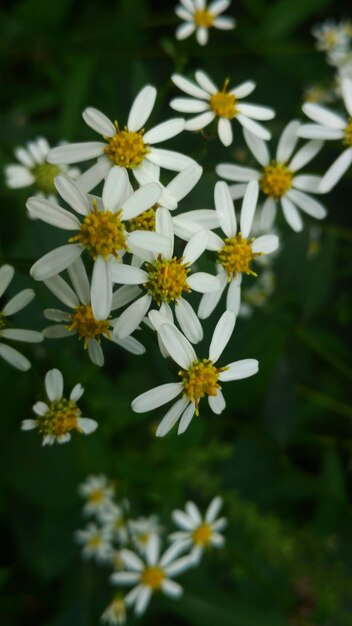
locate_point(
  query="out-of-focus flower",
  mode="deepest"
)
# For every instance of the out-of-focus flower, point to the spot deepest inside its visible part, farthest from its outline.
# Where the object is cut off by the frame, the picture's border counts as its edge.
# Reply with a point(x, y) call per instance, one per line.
point(115, 613)
point(200, 17)
point(142, 530)
point(98, 492)
point(97, 543)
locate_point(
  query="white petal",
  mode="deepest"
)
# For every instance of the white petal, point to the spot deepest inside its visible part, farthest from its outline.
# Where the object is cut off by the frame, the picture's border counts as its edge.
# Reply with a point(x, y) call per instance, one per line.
point(171, 417)
point(307, 183)
point(76, 152)
point(239, 370)
point(233, 298)
point(203, 282)
point(185, 30)
point(238, 191)
point(55, 261)
point(143, 240)
point(336, 171)
point(177, 345)
point(189, 87)
point(225, 209)
point(57, 331)
point(305, 154)
point(94, 174)
point(292, 215)
point(217, 403)
point(71, 193)
point(202, 36)
point(18, 176)
point(77, 392)
point(346, 88)
point(249, 206)
point(95, 353)
point(189, 105)
point(257, 147)
point(171, 588)
point(256, 112)
point(237, 172)
point(156, 397)
point(142, 600)
point(87, 425)
point(188, 321)
point(15, 358)
point(28, 424)
point(98, 122)
point(183, 14)
point(128, 275)
point(130, 344)
point(141, 108)
point(165, 130)
point(54, 385)
point(184, 182)
point(24, 157)
point(164, 226)
point(314, 131)
point(268, 214)
point(124, 295)
point(200, 121)
point(307, 204)
point(62, 291)
point(195, 247)
point(115, 188)
point(183, 520)
point(224, 23)
point(141, 200)
point(18, 302)
point(19, 334)
point(40, 408)
point(222, 335)
point(244, 89)
point(210, 300)
point(125, 578)
point(169, 159)
point(132, 317)
point(253, 127)
point(287, 141)
point(79, 279)
point(131, 560)
point(186, 418)
point(218, 6)
point(205, 82)
point(323, 116)
point(101, 289)
point(52, 214)
point(225, 131)
point(265, 244)
point(213, 510)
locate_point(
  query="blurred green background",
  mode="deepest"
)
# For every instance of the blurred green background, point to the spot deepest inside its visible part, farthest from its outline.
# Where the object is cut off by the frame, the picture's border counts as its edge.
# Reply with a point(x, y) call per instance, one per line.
point(281, 453)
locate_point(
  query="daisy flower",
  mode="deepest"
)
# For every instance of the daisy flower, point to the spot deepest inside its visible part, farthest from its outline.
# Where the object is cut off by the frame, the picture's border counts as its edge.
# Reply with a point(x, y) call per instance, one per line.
point(198, 377)
point(34, 169)
point(15, 304)
point(113, 517)
point(237, 249)
point(165, 280)
point(200, 17)
point(96, 543)
point(331, 126)
point(151, 574)
point(98, 491)
point(331, 35)
point(277, 178)
point(129, 147)
point(142, 530)
point(80, 320)
point(210, 102)
point(56, 418)
point(102, 231)
point(115, 613)
point(197, 532)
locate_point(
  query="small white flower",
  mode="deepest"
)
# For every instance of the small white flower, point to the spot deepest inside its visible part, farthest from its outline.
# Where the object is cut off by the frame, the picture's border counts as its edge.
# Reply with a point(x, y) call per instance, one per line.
point(199, 377)
point(197, 532)
point(165, 280)
point(59, 416)
point(15, 304)
point(81, 320)
point(331, 126)
point(129, 147)
point(98, 491)
point(97, 543)
point(115, 613)
point(34, 169)
point(331, 35)
point(113, 517)
point(151, 575)
point(200, 17)
point(142, 530)
point(237, 250)
point(277, 178)
point(209, 102)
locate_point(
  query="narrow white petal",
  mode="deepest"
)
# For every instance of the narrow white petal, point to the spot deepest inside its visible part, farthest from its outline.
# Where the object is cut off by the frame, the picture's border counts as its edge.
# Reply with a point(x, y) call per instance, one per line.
point(323, 116)
point(188, 321)
point(237, 172)
point(57, 331)
point(307, 183)
point(265, 244)
point(55, 261)
point(101, 289)
point(287, 141)
point(143, 240)
point(59, 287)
point(94, 174)
point(76, 152)
point(28, 424)
point(210, 300)
point(186, 418)
point(164, 226)
point(189, 105)
point(141, 108)
point(165, 130)
point(254, 127)
point(182, 520)
point(24, 157)
point(202, 36)
point(256, 112)
point(171, 588)
point(87, 425)
point(238, 191)
point(125, 578)
point(152, 550)
point(213, 510)
point(130, 344)
point(218, 6)
point(291, 214)
point(132, 561)
point(40, 408)
point(71, 193)
point(257, 147)
point(184, 182)
point(128, 275)
point(222, 335)
point(171, 417)
point(14, 358)
point(77, 392)
point(249, 206)
point(268, 214)
point(21, 334)
point(307, 204)
point(244, 89)
point(142, 600)
point(179, 348)
point(200, 121)
point(54, 385)
point(79, 279)
point(305, 154)
point(225, 131)
point(195, 247)
point(141, 200)
point(346, 88)
point(203, 282)
point(6, 275)
point(18, 176)
point(183, 14)
point(233, 297)
point(217, 403)
point(189, 87)
point(124, 295)
point(239, 370)
point(169, 159)
point(336, 171)
point(224, 23)
point(115, 187)
point(225, 209)
point(132, 317)
point(98, 122)
point(205, 82)
point(314, 131)
point(156, 397)
point(95, 353)
point(18, 302)
point(185, 30)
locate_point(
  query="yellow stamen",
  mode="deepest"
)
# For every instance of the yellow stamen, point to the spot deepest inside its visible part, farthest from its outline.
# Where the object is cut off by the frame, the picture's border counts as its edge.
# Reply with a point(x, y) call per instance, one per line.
point(102, 233)
point(85, 324)
point(276, 180)
point(167, 279)
point(144, 221)
point(203, 18)
point(126, 148)
point(201, 536)
point(201, 379)
point(60, 419)
point(44, 175)
point(96, 496)
point(348, 133)
point(95, 542)
point(153, 577)
point(236, 256)
point(223, 103)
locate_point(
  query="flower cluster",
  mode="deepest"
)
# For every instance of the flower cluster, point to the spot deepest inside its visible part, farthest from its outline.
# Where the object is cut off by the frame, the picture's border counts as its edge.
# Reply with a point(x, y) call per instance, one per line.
point(132, 548)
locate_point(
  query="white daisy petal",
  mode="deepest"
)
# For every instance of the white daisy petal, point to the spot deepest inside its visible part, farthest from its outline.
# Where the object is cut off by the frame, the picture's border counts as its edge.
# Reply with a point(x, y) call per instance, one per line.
point(99, 122)
point(314, 131)
point(164, 226)
point(203, 282)
point(14, 358)
point(268, 214)
point(142, 600)
point(237, 172)
point(70, 192)
point(213, 510)
point(52, 214)
point(195, 247)
point(239, 369)
point(233, 297)
point(257, 147)
point(291, 214)
point(156, 397)
point(307, 204)
point(205, 82)
point(54, 385)
point(132, 317)
point(185, 30)
point(238, 191)
point(76, 152)
point(305, 154)
point(255, 112)
point(152, 550)
point(57, 331)
point(189, 105)
point(184, 182)
point(142, 240)
point(193, 512)
point(40, 408)
point(125, 578)
point(128, 275)
point(265, 244)
point(182, 520)
point(79, 279)
point(218, 6)
point(287, 141)
point(95, 353)
point(77, 392)
point(249, 206)
point(307, 183)
point(222, 335)
point(165, 130)
point(24, 157)
point(189, 87)
point(346, 88)
point(141, 200)
point(210, 300)
point(224, 23)
point(131, 560)
point(55, 261)
point(202, 36)
point(28, 424)
point(200, 121)
point(188, 321)
point(93, 175)
point(336, 171)
point(115, 188)
point(171, 588)
point(18, 302)
point(130, 344)
point(171, 417)
point(141, 108)
point(18, 176)
point(183, 14)
point(225, 131)
point(101, 289)
point(243, 90)
point(254, 127)
point(59, 287)
point(186, 418)
point(178, 347)
point(19, 334)
point(225, 209)
point(323, 116)
point(87, 425)
point(170, 160)
point(124, 295)
point(217, 403)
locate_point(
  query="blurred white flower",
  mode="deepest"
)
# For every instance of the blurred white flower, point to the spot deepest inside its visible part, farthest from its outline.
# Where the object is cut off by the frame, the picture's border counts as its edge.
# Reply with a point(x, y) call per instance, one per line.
point(200, 17)
point(98, 491)
point(115, 613)
point(142, 530)
point(96, 542)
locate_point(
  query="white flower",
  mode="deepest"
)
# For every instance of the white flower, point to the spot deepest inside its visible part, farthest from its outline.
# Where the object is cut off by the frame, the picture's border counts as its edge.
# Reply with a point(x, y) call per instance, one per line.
point(152, 575)
point(102, 231)
point(209, 102)
point(98, 491)
point(34, 169)
point(331, 35)
point(329, 126)
point(129, 147)
point(236, 251)
point(56, 418)
point(198, 532)
point(15, 304)
point(277, 178)
point(142, 530)
point(115, 613)
point(198, 377)
point(113, 517)
point(200, 17)
point(165, 280)
point(81, 320)
point(97, 543)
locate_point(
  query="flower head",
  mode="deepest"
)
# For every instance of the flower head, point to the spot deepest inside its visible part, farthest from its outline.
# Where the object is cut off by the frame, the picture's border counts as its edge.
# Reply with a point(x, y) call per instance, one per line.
point(97, 543)
point(115, 613)
point(98, 492)
point(199, 17)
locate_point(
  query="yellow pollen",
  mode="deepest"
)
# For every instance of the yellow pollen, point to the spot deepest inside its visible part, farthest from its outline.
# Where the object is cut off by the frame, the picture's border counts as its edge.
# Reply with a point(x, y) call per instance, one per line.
point(223, 103)
point(200, 380)
point(85, 324)
point(126, 148)
point(44, 175)
point(167, 279)
point(201, 536)
point(96, 496)
point(95, 542)
point(102, 233)
point(276, 179)
point(153, 577)
point(203, 18)
point(143, 538)
point(348, 133)
point(144, 221)
point(236, 256)
point(60, 419)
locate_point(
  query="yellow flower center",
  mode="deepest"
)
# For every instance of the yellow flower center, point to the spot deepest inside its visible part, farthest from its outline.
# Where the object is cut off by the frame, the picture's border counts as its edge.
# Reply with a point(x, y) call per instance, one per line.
point(201, 536)
point(102, 233)
point(348, 133)
point(144, 221)
point(126, 148)
point(223, 103)
point(118, 611)
point(60, 419)
point(200, 380)
point(143, 538)
point(167, 279)
point(96, 496)
point(236, 256)
point(276, 180)
point(203, 18)
point(95, 542)
point(153, 577)
point(44, 175)
point(85, 324)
